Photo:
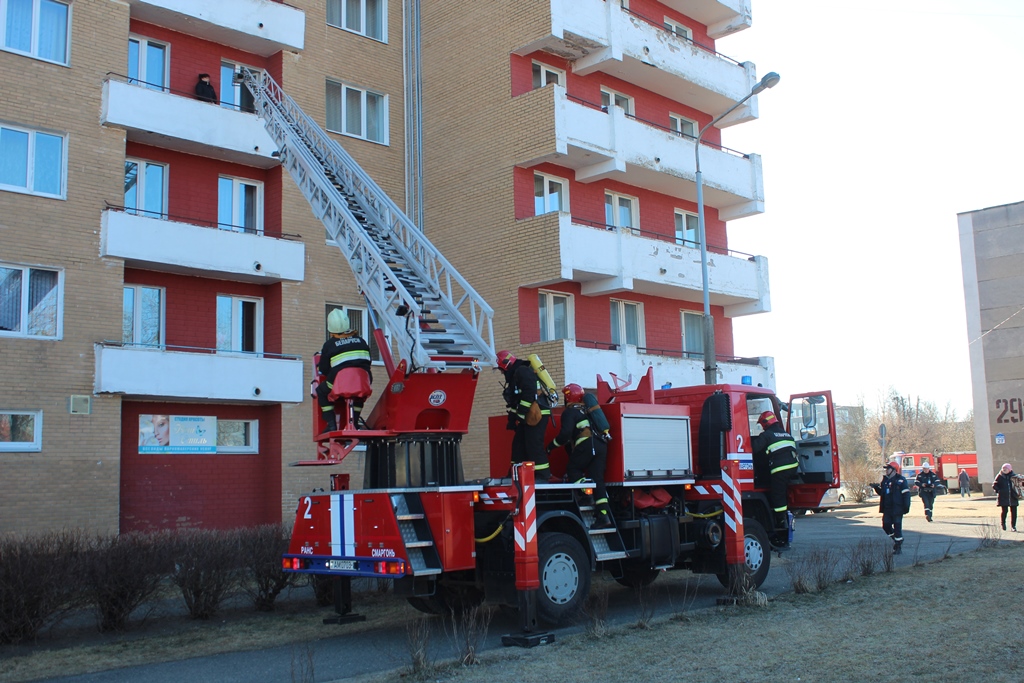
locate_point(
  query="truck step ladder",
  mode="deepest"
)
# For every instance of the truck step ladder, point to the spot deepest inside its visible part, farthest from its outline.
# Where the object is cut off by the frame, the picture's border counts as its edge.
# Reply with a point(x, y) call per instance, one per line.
point(416, 536)
point(431, 312)
point(606, 542)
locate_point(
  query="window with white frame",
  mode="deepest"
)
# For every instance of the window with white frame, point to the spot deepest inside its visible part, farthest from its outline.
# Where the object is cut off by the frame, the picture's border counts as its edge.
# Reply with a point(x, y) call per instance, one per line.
point(239, 324)
point(673, 26)
point(544, 74)
point(693, 335)
point(30, 301)
point(555, 309)
point(359, 319)
point(682, 125)
point(32, 161)
point(239, 205)
point(148, 61)
point(621, 211)
point(610, 97)
point(233, 94)
point(550, 194)
point(238, 436)
point(365, 17)
point(687, 229)
point(357, 112)
point(142, 316)
point(21, 430)
point(145, 188)
point(36, 28)
point(627, 318)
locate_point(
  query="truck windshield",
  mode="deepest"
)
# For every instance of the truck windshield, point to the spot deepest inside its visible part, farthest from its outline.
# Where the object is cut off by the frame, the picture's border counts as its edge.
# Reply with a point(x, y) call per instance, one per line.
point(755, 406)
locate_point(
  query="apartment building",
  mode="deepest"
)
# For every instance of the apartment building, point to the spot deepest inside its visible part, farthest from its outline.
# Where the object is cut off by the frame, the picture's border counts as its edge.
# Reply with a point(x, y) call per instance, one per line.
point(991, 244)
point(164, 283)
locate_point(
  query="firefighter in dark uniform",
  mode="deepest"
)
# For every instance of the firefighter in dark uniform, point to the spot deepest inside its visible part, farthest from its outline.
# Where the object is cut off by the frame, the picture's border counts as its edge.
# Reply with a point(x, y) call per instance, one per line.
point(587, 452)
point(776, 446)
point(927, 486)
point(893, 503)
point(343, 349)
point(522, 390)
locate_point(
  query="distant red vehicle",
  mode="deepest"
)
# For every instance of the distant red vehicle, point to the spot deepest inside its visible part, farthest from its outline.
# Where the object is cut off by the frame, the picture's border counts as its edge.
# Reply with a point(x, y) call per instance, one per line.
point(946, 465)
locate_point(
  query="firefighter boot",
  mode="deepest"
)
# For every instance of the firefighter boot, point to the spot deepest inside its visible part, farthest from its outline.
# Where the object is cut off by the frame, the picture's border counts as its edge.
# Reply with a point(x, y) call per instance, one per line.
point(331, 420)
point(602, 520)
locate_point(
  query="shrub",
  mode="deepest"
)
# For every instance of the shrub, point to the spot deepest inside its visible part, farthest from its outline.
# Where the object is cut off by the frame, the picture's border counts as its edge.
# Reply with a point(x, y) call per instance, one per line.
point(123, 572)
point(205, 569)
point(39, 582)
point(264, 577)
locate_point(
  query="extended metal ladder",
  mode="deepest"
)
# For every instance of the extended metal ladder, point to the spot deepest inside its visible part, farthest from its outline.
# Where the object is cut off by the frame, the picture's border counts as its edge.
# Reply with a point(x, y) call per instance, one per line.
point(435, 317)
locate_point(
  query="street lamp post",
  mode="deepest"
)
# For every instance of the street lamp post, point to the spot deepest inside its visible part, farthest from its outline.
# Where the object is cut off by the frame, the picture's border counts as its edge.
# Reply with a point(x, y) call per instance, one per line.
point(770, 80)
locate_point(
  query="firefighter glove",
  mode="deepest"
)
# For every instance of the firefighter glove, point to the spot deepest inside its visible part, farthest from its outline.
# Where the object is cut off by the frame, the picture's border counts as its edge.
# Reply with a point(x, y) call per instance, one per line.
point(513, 422)
point(606, 437)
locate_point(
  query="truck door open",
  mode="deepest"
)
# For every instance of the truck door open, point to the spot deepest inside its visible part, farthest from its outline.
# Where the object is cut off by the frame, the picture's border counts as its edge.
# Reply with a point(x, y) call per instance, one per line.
point(811, 421)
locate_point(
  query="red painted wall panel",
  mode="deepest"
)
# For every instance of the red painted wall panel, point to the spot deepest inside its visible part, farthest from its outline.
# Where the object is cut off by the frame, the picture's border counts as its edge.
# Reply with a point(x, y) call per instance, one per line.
point(221, 491)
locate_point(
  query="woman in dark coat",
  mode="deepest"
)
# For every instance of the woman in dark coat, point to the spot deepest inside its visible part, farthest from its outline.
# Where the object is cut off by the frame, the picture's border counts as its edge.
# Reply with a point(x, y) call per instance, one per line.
point(1003, 486)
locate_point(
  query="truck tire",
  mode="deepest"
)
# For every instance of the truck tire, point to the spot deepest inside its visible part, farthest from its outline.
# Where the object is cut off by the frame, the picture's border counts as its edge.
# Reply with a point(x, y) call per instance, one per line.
point(757, 553)
point(564, 570)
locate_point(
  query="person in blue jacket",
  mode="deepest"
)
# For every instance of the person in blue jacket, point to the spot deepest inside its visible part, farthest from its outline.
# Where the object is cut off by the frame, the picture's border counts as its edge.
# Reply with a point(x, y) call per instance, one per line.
point(893, 502)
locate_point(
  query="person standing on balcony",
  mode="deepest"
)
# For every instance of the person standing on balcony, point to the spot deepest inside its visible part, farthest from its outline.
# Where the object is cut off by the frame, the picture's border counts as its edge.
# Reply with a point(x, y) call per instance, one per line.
point(927, 486)
point(529, 410)
point(343, 349)
point(777, 447)
point(204, 89)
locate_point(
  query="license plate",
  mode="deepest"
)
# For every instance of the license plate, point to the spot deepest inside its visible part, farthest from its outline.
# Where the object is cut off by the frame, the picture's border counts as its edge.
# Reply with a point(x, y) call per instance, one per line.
point(342, 565)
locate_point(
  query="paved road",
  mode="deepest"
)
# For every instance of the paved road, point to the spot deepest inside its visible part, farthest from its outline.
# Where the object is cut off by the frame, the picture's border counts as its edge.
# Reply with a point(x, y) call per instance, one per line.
point(958, 527)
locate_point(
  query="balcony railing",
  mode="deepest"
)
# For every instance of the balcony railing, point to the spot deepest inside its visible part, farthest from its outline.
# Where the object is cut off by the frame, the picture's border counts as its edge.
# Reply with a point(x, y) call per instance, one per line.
point(668, 353)
point(689, 41)
point(200, 222)
point(661, 237)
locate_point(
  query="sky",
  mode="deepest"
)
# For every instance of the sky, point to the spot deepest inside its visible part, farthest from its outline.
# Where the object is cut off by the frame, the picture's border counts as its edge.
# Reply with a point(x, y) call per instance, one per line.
point(891, 117)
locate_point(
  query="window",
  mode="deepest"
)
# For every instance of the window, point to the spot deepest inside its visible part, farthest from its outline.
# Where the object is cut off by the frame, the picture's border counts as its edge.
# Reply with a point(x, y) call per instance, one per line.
point(687, 229)
point(32, 161)
point(544, 74)
point(145, 188)
point(239, 205)
point(238, 436)
point(549, 194)
point(234, 95)
point(30, 302)
point(21, 430)
point(693, 335)
point(555, 315)
point(239, 324)
point(356, 112)
point(147, 63)
point(620, 211)
point(359, 319)
point(610, 97)
point(627, 319)
point(682, 125)
point(673, 26)
point(142, 316)
point(37, 28)
point(366, 17)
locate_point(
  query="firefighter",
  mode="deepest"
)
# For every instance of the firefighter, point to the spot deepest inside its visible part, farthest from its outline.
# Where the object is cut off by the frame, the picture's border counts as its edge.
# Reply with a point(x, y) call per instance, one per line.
point(778, 448)
point(893, 503)
point(343, 349)
point(529, 410)
point(587, 451)
point(927, 486)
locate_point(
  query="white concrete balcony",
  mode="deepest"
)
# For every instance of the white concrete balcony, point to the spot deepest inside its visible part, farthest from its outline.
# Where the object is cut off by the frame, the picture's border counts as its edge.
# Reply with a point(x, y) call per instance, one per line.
point(599, 35)
point(178, 375)
point(584, 361)
point(185, 124)
point(722, 17)
point(180, 247)
point(599, 145)
point(258, 26)
point(607, 260)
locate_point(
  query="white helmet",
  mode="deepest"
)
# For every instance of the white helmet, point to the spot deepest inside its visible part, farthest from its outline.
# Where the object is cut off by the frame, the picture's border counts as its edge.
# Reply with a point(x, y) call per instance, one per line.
point(337, 322)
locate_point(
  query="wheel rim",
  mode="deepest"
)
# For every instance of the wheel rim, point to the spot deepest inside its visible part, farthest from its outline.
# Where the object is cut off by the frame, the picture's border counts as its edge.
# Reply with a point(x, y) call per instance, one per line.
point(753, 552)
point(560, 578)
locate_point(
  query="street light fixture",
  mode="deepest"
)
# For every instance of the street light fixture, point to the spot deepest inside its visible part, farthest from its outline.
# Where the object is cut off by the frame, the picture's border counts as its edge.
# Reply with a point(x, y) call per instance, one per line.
point(770, 80)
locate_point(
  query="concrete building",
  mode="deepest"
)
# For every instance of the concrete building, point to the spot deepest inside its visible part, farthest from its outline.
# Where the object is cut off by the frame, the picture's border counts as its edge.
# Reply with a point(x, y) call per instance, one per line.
point(991, 252)
point(164, 284)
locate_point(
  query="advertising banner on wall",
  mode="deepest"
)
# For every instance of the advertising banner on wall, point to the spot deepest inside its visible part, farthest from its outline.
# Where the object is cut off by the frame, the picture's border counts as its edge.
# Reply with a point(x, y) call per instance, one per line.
point(177, 434)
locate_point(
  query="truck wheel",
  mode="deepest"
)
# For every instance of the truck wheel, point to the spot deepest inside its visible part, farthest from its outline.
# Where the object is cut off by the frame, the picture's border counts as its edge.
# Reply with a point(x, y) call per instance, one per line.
point(564, 577)
point(757, 554)
point(637, 577)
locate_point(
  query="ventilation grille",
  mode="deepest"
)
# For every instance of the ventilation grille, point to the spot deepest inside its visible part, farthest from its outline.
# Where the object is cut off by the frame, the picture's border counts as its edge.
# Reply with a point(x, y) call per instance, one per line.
point(80, 405)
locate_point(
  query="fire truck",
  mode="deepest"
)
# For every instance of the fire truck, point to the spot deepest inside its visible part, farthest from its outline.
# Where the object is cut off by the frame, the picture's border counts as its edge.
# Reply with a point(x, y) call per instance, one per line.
point(946, 465)
point(683, 486)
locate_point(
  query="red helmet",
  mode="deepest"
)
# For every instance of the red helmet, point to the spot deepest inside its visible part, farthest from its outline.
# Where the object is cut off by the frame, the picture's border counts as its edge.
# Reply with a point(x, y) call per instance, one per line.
point(505, 359)
point(573, 393)
point(895, 464)
point(766, 419)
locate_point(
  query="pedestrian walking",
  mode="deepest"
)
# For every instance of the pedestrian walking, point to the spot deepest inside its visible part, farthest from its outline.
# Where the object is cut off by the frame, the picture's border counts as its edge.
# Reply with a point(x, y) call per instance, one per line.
point(927, 486)
point(1007, 496)
point(893, 502)
point(965, 483)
